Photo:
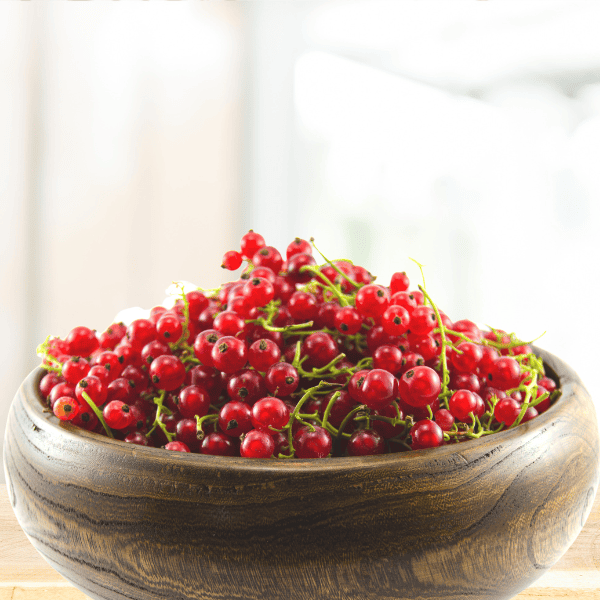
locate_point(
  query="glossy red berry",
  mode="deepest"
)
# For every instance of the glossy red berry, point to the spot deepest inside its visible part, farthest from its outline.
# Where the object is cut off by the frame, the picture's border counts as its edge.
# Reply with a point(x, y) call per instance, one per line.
point(347, 320)
point(263, 353)
point(66, 408)
point(379, 389)
point(395, 320)
point(507, 410)
point(177, 446)
point(372, 300)
point(229, 323)
point(302, 306)
point(298, 246)
point(282, 379)
point(388, 358)
point(167, 372)
point(169, 328)
point(365, 442)
point(251, 243)
point(74, 369)
point(193, 401)
point(229, 354)
point(94, 388)
point(117, 415)
point(257, 444)
point(320, 348)
point(268, 256)
point(312, 444)
point(462, 404)
point(259, 291)
point(81, 341)
point(270, 413)
point(422, 320)
point(219, 444)
point(420, 386)
point(235, 418)
point(399, 282)
point(426, 434)
point(232, 260)
point(295, 272)
point(505, 373)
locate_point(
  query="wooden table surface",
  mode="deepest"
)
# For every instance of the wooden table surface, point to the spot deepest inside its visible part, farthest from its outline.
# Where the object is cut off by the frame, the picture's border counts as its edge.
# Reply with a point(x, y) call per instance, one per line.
point(24, 575)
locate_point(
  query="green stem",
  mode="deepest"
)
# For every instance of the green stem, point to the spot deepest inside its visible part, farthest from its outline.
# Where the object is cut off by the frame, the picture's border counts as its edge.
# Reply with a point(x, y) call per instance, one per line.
point(98, 413)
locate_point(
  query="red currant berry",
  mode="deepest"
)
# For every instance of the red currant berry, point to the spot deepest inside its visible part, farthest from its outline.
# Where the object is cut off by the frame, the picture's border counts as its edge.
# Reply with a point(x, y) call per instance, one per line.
point(177, 446)
point(263, 353)
point(193, 401)
point(94, 388)
point(404, 299)
point(372, 300)
point(257, 444)
point(235, 418)
point(312, 444)
point(507, 410)
point(117, 415)
point(229, 323)
point(399, 282)
point(422, 320)
point(112, 336)
point(295, 272)
point(66, 408)
point(444, 419)
point(219, 444)
point(466, 357)
point(395, 320)
point(232, 260)
point(420, 386)
point(167, 372)
point(347, 320)
point(426, 434)
point(204, 344)
point(505, 373)
point(48, 382)
point(251, 243)
point(74, 369)
point(140, 332)
point(229, 354)
point(270, 413)
point(303, 306)
point(153, 350)
point(246, 386)
point(298, 246)
point(282, 379)
point(365, 442)
point(379, 389)
point(169, 328)
point(268, 256)
point(259, 291)
point(388, 358)
point(81, 341)
point(137, 437)
point(320, 348)
point(462, 404)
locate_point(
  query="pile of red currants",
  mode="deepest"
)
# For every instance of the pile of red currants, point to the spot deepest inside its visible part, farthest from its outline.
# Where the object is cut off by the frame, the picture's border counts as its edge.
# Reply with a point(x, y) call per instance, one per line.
point(295, 360)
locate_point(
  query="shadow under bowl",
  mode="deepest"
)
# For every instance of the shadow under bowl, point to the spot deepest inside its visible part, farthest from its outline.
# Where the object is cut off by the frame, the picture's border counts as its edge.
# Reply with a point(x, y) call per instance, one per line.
point(479, 519)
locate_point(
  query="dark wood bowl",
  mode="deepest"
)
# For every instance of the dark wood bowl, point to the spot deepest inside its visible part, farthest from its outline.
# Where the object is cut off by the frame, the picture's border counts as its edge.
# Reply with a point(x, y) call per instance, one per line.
point(480, 519)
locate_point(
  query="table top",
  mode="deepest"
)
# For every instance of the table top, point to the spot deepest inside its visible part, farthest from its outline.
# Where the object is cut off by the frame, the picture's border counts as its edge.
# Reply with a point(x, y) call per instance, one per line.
point(25, 575)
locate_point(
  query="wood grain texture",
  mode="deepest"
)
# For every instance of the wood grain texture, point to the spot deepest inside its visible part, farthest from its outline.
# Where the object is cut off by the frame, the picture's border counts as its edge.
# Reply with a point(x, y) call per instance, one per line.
point(25, 575)
point(482, 519)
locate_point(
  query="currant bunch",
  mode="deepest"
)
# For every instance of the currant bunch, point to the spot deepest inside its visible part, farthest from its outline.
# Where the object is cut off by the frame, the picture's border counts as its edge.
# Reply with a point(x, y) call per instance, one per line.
point(295, 359)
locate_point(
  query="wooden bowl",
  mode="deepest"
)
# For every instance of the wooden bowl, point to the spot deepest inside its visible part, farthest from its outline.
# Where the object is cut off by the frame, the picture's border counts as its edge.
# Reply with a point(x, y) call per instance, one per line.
point(480, 519)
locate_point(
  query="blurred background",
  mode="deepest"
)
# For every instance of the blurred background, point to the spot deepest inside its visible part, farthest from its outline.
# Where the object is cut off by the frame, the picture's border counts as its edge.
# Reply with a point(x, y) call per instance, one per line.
point(140, 141)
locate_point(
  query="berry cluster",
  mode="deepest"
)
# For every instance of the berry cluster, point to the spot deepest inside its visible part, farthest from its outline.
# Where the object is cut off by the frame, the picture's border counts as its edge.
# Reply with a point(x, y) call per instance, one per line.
point(295, 359)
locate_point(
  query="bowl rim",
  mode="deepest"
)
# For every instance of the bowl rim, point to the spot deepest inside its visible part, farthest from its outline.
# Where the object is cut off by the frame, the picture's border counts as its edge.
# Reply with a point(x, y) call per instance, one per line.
point(41, 416)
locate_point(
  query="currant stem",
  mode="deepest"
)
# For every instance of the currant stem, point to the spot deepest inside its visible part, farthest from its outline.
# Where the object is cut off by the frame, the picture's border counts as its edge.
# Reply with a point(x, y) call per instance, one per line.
point(98, 413)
